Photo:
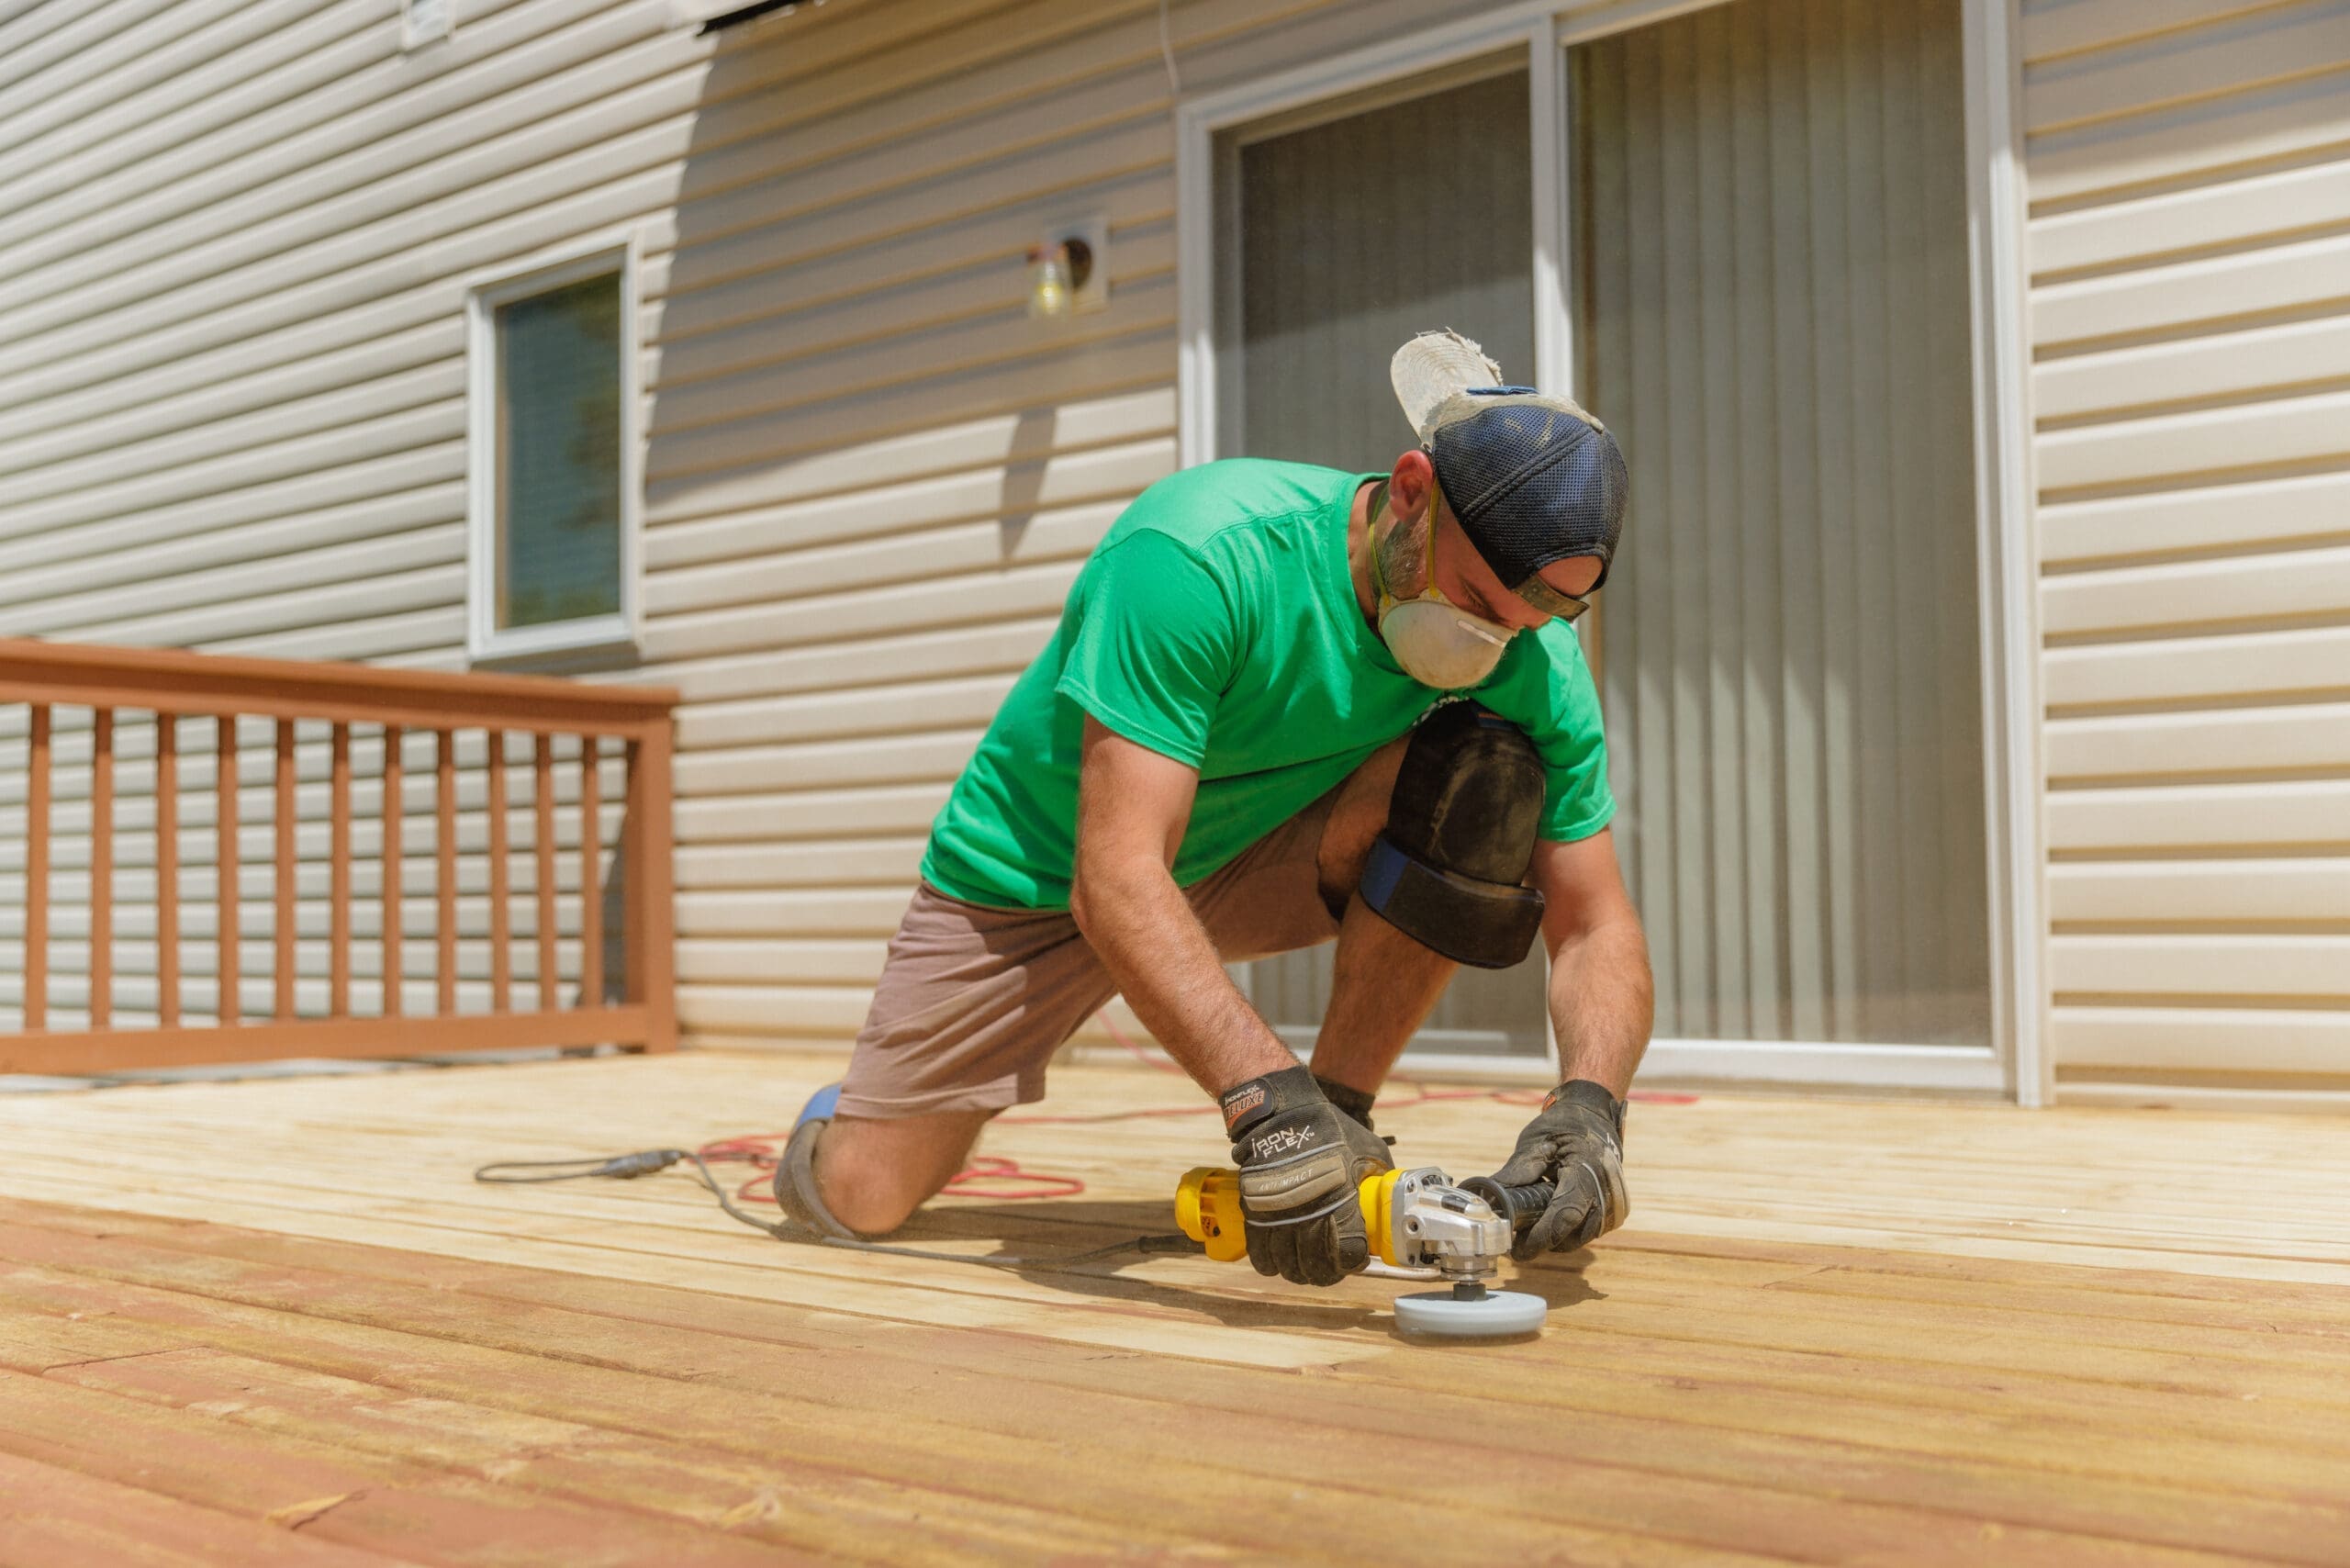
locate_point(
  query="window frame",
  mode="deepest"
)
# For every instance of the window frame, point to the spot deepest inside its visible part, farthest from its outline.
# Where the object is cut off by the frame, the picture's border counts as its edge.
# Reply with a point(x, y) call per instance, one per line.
point(486, 640)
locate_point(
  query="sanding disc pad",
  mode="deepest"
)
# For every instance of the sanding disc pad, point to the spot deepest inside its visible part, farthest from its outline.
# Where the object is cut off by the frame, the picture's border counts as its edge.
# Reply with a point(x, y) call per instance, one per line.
point(1439, 1315)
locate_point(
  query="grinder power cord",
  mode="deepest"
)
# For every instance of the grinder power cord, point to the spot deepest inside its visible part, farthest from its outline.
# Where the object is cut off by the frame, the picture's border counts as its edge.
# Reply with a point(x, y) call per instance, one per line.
point(645, 1162)
point(1419, 1221)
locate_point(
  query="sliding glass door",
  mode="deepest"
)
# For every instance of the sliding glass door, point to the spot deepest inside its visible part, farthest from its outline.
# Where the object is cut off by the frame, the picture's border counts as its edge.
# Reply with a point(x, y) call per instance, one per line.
point(1765, 278)
point(1771, 311)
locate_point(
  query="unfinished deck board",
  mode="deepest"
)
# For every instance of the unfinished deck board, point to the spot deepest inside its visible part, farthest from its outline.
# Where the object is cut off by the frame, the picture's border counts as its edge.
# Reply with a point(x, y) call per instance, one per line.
point(1658, 1481)
point(51, 1514)
point(1478, 1428)
point(1833, 1332)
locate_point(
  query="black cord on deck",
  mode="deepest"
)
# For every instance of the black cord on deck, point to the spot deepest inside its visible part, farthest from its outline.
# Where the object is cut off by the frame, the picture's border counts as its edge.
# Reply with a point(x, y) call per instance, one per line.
point(644, 1162)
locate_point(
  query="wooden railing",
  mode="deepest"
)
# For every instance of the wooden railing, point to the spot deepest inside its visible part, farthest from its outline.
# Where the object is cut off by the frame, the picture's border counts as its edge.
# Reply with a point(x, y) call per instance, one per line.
point(67, 688)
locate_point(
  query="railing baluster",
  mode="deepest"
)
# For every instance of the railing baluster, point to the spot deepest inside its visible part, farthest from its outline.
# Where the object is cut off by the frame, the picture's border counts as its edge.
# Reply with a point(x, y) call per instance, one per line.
point(542, 800)
point(391, 870)
point(225, 789)
point(102, 869)
point(592, 886)
point(630, 850)
point(445, 881)
point(501, 968)
point(167, 868)
point(37, 874)
point(285, 932)
point(652, 972)
point(338, 879)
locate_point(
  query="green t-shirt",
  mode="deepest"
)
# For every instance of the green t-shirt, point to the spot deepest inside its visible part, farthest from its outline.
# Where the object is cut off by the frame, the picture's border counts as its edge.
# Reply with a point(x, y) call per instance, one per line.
point(1216, 623)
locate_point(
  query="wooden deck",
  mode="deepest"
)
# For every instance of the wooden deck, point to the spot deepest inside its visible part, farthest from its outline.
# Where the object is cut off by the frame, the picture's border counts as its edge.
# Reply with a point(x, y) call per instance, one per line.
point(270, 1323)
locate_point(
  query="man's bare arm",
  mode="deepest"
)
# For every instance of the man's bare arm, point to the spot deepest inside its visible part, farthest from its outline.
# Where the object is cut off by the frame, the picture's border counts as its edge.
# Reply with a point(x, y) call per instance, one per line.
point(1603, 998)
point(1133, 806)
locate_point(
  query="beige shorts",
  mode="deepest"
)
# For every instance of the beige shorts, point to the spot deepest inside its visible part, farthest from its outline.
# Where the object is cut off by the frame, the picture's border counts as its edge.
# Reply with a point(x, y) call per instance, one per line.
point(973, 1002)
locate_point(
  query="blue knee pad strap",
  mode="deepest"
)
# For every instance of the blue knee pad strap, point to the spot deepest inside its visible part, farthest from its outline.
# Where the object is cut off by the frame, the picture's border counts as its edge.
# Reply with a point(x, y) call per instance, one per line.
point(822, 1105)
point(796, 1192)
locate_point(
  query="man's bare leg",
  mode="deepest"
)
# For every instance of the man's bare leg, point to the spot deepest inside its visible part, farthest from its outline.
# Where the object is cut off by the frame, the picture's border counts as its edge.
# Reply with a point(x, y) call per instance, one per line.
point(872, 1174)
point(1383, 986)
point(1383, 983)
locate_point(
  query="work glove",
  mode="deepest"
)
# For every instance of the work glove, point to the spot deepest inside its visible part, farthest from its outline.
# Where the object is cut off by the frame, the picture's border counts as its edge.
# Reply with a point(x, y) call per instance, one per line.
point(1354, 1102)
point(1577, 1144)
point(1300, 1159)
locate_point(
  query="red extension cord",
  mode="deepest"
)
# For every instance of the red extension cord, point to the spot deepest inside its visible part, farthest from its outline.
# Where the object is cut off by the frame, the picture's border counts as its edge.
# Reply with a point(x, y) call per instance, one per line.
point(999, 1179)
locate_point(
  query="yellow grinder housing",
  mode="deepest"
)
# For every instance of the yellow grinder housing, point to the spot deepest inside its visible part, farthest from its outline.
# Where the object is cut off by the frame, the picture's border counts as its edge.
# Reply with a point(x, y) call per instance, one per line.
point(1207, 1208)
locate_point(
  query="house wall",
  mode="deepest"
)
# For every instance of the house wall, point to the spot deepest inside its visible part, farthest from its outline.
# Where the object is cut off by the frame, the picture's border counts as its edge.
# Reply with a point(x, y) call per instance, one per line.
point(234, 247)
point(2189, 168)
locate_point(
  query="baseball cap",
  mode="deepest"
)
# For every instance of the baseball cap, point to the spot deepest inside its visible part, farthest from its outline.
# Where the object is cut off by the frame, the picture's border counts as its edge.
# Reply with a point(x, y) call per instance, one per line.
point(1533, 479)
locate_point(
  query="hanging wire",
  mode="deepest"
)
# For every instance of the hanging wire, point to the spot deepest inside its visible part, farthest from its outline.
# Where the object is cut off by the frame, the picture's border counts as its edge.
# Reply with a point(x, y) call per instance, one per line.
point(1167, 52)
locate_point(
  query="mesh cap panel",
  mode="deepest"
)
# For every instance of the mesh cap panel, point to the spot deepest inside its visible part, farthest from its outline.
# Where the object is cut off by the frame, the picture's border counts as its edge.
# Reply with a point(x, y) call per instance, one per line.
point(1533, 479)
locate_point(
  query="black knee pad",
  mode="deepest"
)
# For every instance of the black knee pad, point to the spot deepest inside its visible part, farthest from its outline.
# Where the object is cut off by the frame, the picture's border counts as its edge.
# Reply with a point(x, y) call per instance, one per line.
point(1450, 869)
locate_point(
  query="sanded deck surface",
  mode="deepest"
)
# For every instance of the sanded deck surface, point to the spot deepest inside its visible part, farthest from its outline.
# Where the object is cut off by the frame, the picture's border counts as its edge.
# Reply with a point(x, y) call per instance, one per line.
point(275, 1322)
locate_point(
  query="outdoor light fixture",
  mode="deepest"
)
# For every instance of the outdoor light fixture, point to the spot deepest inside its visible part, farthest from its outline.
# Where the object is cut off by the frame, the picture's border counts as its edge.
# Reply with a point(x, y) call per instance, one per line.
point(1066, 273)
point(1052, 270)
point(425, 21)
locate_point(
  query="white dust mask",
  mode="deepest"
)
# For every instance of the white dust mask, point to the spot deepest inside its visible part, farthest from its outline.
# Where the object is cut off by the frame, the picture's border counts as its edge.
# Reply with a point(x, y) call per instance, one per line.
point(1438, 642)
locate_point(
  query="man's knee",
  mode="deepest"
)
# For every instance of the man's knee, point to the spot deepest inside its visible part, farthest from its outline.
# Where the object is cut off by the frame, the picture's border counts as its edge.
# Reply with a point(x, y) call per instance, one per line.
point(1449, 866)
point(873, 1174)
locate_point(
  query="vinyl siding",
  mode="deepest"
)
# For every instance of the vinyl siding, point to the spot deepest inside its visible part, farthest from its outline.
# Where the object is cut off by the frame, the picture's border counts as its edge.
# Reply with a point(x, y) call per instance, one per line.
point(234, 248)
point(2189, 164)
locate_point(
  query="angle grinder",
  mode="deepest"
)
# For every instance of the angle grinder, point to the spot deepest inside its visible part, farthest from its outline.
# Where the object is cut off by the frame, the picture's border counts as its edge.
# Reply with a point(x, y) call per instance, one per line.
point(1417, 1219)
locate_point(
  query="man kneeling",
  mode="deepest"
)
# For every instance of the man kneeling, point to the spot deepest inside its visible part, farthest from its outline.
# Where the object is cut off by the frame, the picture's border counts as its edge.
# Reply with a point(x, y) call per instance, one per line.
point(1237, 744)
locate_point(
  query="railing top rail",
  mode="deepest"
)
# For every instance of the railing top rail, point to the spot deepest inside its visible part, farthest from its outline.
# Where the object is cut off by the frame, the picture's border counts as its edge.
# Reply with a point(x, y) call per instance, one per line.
point(171, 681)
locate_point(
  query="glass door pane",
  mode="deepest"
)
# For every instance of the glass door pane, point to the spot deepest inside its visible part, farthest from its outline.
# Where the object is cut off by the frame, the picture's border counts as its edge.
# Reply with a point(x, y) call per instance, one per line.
point(1771, 200)
point(1342, 232)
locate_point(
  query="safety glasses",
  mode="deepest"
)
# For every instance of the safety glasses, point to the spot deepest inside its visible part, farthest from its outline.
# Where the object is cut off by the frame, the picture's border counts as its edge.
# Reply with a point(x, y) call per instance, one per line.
point(1549, 601)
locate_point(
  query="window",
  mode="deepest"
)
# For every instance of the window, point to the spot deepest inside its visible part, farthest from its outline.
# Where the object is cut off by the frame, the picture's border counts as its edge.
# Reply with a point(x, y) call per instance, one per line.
point(553, 459)
point(1772, 313)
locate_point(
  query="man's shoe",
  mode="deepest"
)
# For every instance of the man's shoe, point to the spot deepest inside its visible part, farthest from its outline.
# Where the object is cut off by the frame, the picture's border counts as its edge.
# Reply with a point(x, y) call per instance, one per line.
point(795, 1174)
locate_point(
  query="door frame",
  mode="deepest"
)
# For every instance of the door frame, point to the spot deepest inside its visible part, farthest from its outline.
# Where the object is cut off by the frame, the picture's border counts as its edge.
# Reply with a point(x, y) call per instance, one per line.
point(2015, 1063)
